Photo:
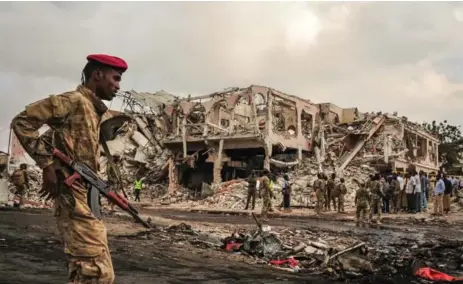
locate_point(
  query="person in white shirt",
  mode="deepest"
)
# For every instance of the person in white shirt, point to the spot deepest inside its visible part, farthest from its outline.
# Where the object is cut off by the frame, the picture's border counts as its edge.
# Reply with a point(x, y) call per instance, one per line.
point(410, 190)
point(402, 199)
point(417, 192)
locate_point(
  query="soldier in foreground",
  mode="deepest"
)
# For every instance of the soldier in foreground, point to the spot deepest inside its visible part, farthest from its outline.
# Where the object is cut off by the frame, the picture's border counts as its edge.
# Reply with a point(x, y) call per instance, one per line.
point(75, 119)
point(20, 179)
point(362, 199)
point(266, 194)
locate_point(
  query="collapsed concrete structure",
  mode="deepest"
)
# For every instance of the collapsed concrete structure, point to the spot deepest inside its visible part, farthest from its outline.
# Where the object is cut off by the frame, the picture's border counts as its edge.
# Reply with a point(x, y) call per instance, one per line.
point(200, 142)
point(229, 133)
point(387, 142)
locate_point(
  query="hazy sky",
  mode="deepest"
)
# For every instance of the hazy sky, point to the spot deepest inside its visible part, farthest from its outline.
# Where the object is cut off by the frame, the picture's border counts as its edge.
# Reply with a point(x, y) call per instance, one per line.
point(387, 56)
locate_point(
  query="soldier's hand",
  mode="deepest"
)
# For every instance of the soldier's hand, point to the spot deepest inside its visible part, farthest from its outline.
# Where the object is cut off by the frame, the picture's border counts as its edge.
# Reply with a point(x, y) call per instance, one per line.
point(50, 183)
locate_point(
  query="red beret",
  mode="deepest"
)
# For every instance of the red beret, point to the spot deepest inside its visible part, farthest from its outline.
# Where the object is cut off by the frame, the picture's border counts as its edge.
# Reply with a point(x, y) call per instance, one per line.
point(111, 61)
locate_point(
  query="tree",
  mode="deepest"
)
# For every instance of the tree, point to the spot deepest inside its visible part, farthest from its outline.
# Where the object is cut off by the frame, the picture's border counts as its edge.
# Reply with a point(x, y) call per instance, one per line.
point(451, 142)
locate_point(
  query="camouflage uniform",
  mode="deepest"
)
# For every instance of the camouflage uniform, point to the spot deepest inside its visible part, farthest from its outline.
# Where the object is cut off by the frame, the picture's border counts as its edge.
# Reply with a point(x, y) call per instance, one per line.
point(342, 192)
point(21, 182)
point(330, 187)
point(335, 195)
point(362, 198)
point(319, 186)
point(252, 190)
point(376, 199)
point(75, 119)
point(266, 194)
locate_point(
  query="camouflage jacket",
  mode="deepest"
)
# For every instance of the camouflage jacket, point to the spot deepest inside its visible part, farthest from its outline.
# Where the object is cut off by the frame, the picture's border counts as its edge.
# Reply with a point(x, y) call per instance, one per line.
point(394, 187)
point(266, 192)
point(342, 188)
point(330, 185)
point(362, 196)
point(74, 118)
point(376, 190)
point(319, 184)
point(20, 177)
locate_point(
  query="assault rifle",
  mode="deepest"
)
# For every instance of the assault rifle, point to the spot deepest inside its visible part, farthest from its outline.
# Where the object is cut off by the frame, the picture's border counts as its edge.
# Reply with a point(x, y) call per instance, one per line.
point(96, 186)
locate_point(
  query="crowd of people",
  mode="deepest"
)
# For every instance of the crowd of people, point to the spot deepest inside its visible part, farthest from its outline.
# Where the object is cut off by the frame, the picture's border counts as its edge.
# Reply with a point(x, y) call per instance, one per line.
point(380, 194)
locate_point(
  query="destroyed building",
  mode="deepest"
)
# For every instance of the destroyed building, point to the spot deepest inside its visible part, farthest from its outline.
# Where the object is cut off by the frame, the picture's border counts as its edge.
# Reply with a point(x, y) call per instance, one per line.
point(386, 142)
point(227, 134)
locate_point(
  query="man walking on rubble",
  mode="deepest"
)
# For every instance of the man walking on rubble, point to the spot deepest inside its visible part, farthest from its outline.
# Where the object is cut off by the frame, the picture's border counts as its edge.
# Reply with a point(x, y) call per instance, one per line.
point(330, 186)
point(20, 180)
point(362, 199)
point(342, 189)
point(319, 187)
point(376, 195)
point(266, 194)
point(75, 119)
point(138, 186)
point(252, 190)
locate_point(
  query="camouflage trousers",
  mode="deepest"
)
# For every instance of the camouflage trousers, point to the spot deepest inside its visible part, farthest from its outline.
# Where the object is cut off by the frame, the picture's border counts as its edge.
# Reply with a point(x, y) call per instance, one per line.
point(376, 204)
point(335, 201)
point(265, 207)
point(20, 192)
point(84, 237)
point(341, 203)
point(361, 212)
point(320, 201)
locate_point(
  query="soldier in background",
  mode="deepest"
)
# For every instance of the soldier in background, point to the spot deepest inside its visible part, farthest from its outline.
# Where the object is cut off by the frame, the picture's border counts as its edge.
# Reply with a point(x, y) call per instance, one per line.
point(396, 190)
point(266, 194)
point(319, 187)
point(252, 190)
point(20, 179)
point(330, 187)
point(362, 199)
point(376, 198)
point(342, 189)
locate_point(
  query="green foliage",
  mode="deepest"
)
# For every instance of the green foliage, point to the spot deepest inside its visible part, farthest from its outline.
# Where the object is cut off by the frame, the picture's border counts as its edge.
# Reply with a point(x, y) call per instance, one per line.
point(451, 142)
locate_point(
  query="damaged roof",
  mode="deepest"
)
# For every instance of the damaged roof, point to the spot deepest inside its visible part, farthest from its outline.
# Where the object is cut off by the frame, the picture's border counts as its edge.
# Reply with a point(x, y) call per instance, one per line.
point(153, 100)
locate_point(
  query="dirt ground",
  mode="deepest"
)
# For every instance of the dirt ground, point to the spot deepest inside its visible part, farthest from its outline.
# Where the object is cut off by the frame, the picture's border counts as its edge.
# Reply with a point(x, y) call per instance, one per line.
point(31, 253)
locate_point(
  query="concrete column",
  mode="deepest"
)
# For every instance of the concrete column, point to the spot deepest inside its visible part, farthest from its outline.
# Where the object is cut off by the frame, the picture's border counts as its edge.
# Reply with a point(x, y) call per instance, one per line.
point(173, 176)
point(217, 177)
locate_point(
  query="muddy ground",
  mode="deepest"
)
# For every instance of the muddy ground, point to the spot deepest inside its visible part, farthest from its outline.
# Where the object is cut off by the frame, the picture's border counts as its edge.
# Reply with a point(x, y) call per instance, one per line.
point(31, 253)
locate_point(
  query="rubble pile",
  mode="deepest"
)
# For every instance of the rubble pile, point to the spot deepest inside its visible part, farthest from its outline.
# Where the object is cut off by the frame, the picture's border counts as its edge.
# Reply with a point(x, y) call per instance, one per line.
point(135, 142)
